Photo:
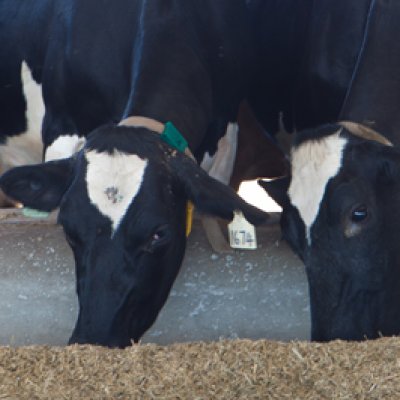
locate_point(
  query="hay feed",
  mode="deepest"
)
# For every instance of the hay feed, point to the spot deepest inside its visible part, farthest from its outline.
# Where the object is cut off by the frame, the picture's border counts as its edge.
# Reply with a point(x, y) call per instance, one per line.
point(237, 369)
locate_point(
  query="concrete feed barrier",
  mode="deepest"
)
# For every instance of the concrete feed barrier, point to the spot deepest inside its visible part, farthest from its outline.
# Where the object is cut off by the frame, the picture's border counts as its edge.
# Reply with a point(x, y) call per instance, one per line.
point(246, 294)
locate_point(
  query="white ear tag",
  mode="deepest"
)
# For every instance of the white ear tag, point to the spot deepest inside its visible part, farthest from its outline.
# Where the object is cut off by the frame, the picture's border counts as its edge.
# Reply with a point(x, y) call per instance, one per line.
point(242, 234)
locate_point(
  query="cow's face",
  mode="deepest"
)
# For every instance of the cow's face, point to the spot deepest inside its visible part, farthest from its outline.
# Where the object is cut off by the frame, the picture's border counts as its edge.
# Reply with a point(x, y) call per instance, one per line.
point(123, 209)
point(341, 218)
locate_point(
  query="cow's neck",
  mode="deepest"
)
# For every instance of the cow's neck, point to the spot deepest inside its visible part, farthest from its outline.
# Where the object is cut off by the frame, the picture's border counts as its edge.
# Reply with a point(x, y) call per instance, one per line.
point(280, 27)
point(34, 39)
point(169, 80)
point(185, 113)
point(373, 94)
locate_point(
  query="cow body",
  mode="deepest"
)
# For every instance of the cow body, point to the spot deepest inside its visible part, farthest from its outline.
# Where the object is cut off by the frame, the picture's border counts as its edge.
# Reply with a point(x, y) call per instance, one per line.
point(320, 62)
point(94, 71)
point(21, 110)
point(98, 70)
point(20, 120)
point(123, 197)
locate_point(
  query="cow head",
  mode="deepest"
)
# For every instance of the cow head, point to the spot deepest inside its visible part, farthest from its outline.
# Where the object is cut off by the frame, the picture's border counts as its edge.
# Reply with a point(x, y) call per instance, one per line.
point(122, 202)
point(340, 216)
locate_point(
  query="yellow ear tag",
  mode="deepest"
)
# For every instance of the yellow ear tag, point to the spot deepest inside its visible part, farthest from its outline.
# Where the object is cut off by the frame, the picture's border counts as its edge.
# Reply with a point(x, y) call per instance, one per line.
point(189, 217)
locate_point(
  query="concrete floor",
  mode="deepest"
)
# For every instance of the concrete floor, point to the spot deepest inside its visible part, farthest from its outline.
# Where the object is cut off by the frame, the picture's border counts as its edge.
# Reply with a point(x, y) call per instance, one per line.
point(247, 294)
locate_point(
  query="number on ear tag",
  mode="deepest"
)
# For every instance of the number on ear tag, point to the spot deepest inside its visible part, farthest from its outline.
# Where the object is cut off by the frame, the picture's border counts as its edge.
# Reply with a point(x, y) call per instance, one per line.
point(242, 234)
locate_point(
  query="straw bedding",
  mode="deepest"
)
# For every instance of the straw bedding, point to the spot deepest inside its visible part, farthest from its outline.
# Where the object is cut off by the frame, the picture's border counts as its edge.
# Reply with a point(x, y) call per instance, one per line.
point(238, 369)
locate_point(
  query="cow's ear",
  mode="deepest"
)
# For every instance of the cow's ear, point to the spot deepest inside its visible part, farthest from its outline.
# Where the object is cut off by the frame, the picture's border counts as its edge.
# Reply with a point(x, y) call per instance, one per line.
point(277, 190)
point(40, 186)
point(211, 196)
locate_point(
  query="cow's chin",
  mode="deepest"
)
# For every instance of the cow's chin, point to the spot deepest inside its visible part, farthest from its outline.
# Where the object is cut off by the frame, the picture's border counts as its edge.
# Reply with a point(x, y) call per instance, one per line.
point(342, 330)
point(120, 343)
point(117, 307)
point(115, 332)
point(357, 317)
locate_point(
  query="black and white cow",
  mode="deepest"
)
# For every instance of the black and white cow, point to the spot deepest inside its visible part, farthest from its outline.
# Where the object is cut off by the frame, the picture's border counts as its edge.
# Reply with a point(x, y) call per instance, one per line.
point(341, 64)
point(123, 197)
point(339, 217)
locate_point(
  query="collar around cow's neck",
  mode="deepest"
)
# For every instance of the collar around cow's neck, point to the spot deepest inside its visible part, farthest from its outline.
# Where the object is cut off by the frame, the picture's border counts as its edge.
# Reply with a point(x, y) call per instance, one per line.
point(169, 133)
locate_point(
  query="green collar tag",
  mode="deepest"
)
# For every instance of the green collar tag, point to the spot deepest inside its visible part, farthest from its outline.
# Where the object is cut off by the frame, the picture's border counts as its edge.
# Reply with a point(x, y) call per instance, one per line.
point(173, 137)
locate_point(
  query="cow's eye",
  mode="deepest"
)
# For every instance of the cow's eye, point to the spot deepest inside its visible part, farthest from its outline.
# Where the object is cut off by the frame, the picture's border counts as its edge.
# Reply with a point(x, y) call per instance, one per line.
point(160, 234)
point(159, 237)
point(356, 221)
point(359, 214)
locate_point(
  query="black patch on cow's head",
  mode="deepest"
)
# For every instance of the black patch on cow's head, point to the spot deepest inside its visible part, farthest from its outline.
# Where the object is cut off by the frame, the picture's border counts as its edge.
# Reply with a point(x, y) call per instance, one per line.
point(277, 189)
point(39, 186)
point(315, 134)
point(292, 227)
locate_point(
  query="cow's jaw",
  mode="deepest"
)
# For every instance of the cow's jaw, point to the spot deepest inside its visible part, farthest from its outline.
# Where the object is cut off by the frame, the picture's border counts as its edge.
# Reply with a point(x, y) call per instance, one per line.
point(113, 181)
point(314, 163)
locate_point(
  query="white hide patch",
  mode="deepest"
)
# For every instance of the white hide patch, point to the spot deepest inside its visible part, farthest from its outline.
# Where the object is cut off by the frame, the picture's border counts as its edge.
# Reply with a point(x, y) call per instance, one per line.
point(21, 150)
point(220, 165)
point(26, 148)
point(113, 181)
point(314, 162)
point(34, 101)
point(64, 146)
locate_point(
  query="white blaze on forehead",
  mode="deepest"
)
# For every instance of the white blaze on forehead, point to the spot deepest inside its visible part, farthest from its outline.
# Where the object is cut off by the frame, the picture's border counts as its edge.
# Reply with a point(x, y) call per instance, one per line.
point(64, 146)
point(314, 162)
point(113, 181)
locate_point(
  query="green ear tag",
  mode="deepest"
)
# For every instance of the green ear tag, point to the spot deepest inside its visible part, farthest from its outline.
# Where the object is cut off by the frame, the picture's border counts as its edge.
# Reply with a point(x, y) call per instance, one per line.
point(172, 136)
point(31, 213)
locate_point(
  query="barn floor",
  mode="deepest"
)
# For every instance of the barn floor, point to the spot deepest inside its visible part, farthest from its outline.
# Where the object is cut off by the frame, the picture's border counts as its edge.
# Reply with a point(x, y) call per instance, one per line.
point(247, 294)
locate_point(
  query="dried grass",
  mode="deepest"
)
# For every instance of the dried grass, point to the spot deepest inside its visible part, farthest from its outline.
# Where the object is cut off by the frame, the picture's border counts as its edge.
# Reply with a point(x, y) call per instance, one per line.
point(238, 369)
